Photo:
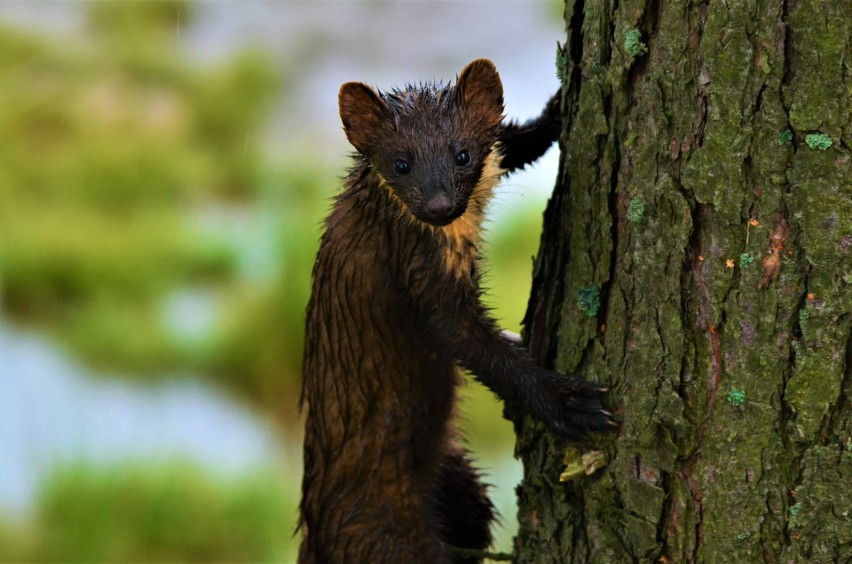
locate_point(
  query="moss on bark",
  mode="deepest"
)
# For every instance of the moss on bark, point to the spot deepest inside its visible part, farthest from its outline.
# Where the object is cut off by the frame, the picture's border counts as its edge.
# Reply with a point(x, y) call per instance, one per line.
point(691, 129)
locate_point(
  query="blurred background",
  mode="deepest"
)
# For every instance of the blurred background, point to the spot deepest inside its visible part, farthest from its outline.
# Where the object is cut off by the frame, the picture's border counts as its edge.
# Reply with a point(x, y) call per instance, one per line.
point(165, 168)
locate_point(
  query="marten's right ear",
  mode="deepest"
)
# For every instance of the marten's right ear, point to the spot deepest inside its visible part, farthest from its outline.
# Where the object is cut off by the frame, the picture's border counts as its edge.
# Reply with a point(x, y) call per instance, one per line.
point(480, 90)
point(362, 112)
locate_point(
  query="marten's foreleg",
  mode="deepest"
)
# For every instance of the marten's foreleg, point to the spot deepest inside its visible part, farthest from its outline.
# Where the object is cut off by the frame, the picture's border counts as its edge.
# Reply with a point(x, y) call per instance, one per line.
point(522, 144)
point(465, 511)
point(461, 326)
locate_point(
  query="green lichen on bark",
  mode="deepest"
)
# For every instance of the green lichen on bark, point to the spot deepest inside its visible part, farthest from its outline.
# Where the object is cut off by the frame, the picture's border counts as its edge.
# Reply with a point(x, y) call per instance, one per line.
point(589, 300)
point(746, 260)
point(633, 43)
point(736, 397)
point(819, 141)
point(635, 210)
point(561, 63)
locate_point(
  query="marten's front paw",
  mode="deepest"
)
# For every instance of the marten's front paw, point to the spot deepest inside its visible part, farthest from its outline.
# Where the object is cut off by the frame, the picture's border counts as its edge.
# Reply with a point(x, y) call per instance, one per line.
point(570, 406)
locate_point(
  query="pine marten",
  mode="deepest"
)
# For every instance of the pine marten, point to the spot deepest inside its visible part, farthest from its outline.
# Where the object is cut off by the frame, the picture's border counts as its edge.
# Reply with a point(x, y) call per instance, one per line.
point(396, 309)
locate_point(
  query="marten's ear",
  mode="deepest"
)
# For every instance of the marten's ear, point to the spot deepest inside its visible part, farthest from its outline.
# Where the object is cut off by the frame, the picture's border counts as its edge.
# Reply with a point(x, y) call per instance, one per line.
point(362, 112)
point(479, 89)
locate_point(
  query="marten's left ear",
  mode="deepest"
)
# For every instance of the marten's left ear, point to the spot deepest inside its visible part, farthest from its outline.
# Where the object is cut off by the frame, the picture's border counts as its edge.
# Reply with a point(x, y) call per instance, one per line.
point(362, 112)
point(479, 89)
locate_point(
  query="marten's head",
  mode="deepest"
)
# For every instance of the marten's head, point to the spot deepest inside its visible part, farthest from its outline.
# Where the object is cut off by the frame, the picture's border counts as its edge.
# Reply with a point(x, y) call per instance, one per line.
point(434, 146)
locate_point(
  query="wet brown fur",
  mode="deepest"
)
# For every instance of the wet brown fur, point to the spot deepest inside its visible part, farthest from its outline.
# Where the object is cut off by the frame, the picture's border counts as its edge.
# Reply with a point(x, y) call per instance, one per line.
point(395, 309)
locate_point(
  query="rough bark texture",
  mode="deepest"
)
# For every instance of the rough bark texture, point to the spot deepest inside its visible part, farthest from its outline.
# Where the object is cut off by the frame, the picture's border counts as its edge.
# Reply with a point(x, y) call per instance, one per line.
point(720, 245)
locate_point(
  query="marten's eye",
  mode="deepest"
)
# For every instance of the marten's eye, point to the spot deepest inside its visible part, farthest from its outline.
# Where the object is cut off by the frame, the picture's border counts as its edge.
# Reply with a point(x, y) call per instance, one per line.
point(401, 166)
point(462, 158)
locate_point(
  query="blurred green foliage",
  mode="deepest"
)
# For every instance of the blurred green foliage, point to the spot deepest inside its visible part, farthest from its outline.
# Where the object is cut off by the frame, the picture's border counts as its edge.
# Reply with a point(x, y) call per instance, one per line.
point(135, 175)
point(121, 144)
point(173, 513)
point(124, 150)
point(262, 331)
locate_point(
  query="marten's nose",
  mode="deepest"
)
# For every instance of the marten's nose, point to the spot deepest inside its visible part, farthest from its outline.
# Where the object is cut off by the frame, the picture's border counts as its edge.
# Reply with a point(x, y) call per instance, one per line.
point(438, 208)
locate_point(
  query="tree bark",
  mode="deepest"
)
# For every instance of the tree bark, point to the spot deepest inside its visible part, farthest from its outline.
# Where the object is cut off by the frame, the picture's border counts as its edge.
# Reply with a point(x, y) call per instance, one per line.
point(699, 205)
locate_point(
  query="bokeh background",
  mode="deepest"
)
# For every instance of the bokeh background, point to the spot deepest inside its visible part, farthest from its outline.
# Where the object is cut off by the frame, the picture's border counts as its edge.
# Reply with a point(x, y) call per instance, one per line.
point(164, 170)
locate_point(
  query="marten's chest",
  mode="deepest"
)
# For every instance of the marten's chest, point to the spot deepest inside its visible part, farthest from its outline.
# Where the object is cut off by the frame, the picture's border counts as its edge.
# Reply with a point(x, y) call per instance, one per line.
point(459, 243)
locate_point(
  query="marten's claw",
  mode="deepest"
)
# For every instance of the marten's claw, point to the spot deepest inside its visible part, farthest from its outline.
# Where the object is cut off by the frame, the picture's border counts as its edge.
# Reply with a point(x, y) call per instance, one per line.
point(572, 406)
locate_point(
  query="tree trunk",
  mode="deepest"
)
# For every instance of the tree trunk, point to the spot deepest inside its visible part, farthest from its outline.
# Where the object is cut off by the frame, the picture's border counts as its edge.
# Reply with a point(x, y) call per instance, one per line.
point(697, 259)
